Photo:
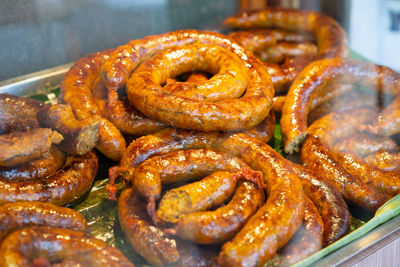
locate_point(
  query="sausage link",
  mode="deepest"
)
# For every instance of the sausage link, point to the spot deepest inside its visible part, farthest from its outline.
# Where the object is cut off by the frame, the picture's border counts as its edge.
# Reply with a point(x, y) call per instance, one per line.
point(124, 115)
point(14, 216)
point(64, 186)
point(79, 136)
point(346, 100)
point(214, 227)
point(177, 167)
point(329, 202)
point(20, 147)
point(36, 169)
point(314, 77)
point(116, 70)
point(149, 241)
point(75, 91)
point(208, 193)
point(317, 157)
point(388, 182)
point(51, 245)
point(273, 224)
point(306, 241)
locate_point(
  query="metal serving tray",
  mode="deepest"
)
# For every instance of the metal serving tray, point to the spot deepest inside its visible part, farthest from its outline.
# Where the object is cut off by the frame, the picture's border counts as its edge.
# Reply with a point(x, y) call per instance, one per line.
point(379, 231)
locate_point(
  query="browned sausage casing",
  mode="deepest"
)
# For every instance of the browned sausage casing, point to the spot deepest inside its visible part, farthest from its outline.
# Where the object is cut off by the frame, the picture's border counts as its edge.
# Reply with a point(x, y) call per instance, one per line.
point(318, 74)
point(28, 246)
point(306, 241)
point(177, 167)
point(330, 37)
point(223, 103)
point(363, 144)
point(18, 113)
point(329, 202)
point(385, 160)
point(14, 216)
point(64, 186)
point(75, 91)
point(149, 241)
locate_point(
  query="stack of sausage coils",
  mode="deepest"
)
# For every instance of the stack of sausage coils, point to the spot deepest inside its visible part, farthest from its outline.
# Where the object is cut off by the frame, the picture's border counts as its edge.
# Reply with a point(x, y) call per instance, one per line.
point(201, 185)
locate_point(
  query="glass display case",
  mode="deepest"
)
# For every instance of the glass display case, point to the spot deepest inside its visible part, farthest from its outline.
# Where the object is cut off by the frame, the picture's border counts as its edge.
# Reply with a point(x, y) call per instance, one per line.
point(42, 39)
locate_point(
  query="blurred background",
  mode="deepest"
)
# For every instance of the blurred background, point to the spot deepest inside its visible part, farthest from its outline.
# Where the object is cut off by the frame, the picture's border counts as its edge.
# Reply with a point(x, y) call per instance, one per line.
point(40, 34)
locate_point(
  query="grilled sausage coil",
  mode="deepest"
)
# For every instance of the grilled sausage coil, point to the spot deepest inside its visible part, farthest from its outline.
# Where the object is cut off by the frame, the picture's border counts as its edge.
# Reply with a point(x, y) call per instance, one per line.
point(289, 25)
point(318, 74)
point(212, 53)
point(317, 154)
point(259, 238)
point(75, 91)
point(61, 187)
point(46, 245)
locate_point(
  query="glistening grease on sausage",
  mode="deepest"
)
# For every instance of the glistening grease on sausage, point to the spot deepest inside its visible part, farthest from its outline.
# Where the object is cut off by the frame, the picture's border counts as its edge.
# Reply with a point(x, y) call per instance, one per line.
point(75, 91)
point(41, 244)
point(214, 227)
point(273, 224)
point(208, 193)
point(212, 105)
point(64, 186)
point(14, 216)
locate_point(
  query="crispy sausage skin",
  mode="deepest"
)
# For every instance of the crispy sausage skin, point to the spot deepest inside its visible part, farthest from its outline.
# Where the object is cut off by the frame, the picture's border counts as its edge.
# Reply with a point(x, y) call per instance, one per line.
point(331, 39)
point(20, 147)
point(75, 91)
point(79, 136)
point(273, 224)
point(14, 216)
point(36, 169)
point(214, 227)
point(329, 202)
point(64, 186)
point(40, 244)
point(319, 73)
point(203, 105)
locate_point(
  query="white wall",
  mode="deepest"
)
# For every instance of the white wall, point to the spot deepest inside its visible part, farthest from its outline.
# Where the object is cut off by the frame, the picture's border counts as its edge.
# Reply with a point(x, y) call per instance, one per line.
point(373, 31)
